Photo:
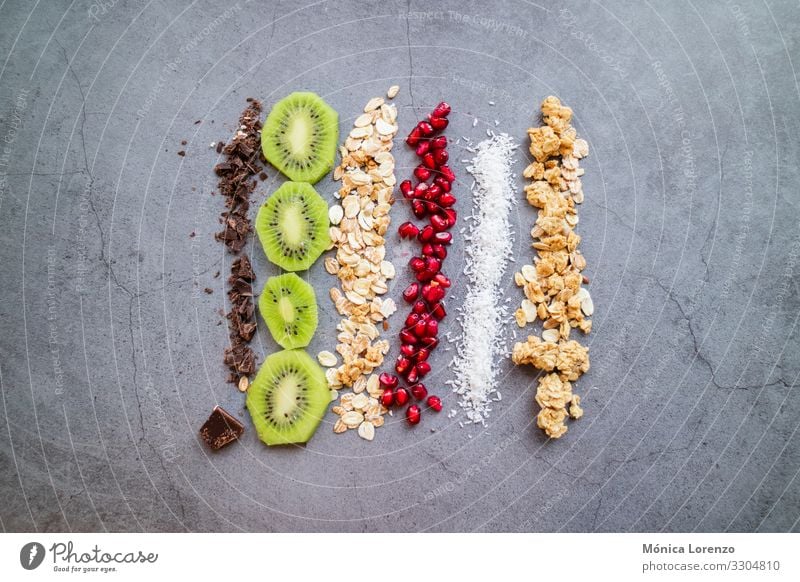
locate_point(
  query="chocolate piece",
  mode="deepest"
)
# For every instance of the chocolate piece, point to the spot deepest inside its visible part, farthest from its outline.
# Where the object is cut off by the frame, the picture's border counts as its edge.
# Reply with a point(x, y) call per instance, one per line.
point(220, 429)
point(181, 153)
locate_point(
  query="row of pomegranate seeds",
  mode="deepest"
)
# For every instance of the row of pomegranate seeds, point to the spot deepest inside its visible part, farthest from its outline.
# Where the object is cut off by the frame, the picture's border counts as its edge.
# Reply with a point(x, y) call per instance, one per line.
point(431, 199)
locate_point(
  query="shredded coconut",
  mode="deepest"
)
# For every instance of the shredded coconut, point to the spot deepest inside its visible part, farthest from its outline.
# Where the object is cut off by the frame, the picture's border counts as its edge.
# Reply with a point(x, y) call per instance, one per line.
point(489, 244)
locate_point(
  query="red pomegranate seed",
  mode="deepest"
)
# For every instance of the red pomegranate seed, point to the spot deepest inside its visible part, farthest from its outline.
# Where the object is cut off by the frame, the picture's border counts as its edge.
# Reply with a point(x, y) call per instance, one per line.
point(429, 161)
point(452, 215)
point(422, 173)
point(387, 397)
point(433, 293)
point(423, 147)
point(425, 128)
point(433, 192)
point(413, 318)
point(413, 414)
point(427, 250)
point(400, 396)
point(441, 110)
point(412, 375)
point(419, 209)
point(407, 230)
point(440, 157)
point(420, 190)
point(435, 403)
point(438, 123)
point(422, 369)
point(439, 252)
point(446, 200)
point(388, 380)
point(413, 137)
point(431, 328)
point(420, 329)
point(431, 207)
point(442, 183)
point(408, 350)
point(426, 234)
point(418, 391)
point(438, 143)
point(443, 280)
point(433, 265)
point(430, 343)
point(420, 307)
point(402, 365)
point(407, 337)
point(443, 238)
point(438, 223)
point(416, 264)
point(438, 311)
point(447, 173)
point(405, 188)
point(411, 293)
point(422, 355)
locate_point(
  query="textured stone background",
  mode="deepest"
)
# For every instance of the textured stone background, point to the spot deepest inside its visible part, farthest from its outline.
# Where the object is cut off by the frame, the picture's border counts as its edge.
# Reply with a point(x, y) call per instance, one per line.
point(110, 354)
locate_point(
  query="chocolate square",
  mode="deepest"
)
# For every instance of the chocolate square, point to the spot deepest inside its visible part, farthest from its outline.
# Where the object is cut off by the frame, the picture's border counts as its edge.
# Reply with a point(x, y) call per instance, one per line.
point(220, 429)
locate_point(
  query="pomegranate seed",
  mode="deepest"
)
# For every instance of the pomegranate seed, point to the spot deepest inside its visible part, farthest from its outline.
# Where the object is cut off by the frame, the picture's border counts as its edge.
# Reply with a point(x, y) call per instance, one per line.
point(431, 343)
point(402, 365)
point(443, 280)
point(422, 355)
point(439, 252)
point(407, 337)
point(405, 188)
point(429, 161)
point(423, 148)
point(440, 157)
point(401, 396)
point(433, 192)
point(438, 311)
point(412, 375)
point(387, 397)
point(417, 264)
point(408, 350)
point(424, 276)
point(421, 329)
point(427, 250)
point(442, 183)
point(388, 380)
point(411, 293)
point(422, 369)
point(446, 200)
point(418, 391)
point(441, 110)
point(452, 215)
point(433, 293)
point(435, 403)
point(422, 173)
point(413, 137)
point(425, 128)
point(419, 307)
point(413, 318)
point(431, 207)
point(413, 414)
point(407, 230)
point(438, 223)
point(433, 265)
point(447, 173)
point(431, 328)
point(419, 208)
point(438, 143)
point(443, 238)
point(420, 190)
point(438, 123)
point(426, 234)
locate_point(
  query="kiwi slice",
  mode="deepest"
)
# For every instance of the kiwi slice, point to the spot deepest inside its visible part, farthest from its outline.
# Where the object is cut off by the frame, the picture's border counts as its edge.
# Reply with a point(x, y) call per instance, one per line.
point(293, 226)
point(289, 307)
point(288, 398)
point(300, 136)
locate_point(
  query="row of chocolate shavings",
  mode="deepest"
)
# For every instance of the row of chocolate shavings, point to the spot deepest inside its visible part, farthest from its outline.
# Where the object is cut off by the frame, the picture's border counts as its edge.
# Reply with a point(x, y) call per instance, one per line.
point(243, 161)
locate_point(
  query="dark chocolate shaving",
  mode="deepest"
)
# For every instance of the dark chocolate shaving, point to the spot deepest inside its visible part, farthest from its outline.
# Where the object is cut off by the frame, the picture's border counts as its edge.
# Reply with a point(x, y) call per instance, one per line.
point(220, 429)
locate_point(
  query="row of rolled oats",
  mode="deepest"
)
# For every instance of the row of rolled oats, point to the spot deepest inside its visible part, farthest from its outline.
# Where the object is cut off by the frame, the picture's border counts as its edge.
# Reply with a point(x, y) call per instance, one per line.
point(552, 284)
point(359, 223)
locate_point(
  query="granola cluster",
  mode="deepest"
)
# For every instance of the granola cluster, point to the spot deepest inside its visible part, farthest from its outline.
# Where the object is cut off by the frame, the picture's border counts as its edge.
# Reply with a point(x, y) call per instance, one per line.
point(360, 222)
point(552, 284)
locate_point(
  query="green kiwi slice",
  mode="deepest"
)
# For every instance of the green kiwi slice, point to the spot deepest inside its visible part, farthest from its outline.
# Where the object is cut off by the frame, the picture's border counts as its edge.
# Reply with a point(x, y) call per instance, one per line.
point(292, 226)
point(288, 398)
point(289, 307)
point(300, 136)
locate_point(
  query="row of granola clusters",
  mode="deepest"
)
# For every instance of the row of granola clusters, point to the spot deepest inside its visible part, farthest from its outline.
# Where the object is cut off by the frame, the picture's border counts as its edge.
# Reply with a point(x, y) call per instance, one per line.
point(360, 222)
point(552, 285)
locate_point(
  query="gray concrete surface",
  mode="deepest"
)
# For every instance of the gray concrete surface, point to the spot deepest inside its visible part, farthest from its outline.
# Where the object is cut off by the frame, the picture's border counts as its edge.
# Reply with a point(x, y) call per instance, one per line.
point(110, 354)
